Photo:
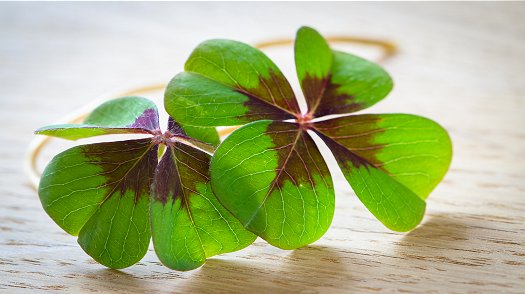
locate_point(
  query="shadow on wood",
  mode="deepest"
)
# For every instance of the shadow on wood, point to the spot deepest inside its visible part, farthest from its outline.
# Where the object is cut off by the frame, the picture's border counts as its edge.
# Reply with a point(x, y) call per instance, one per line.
point(442, 239)
point(306, 268)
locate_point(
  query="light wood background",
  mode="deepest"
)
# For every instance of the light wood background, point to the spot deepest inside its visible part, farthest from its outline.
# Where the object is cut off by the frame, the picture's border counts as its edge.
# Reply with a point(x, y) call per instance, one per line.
point(462, 64)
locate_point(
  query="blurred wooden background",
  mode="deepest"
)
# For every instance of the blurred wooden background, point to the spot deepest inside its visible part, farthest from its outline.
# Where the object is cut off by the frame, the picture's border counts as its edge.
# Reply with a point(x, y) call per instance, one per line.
point(462, 64)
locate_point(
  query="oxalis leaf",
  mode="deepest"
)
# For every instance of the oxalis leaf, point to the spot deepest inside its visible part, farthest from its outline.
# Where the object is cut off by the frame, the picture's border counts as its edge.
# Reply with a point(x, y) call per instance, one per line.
point(271, 176)
point(188, 222)
point(269, 173)
point(115, 195)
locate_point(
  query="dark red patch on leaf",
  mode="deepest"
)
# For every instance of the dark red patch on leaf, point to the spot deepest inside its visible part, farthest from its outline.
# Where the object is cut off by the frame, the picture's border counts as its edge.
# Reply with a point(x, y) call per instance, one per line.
point(258, 110)
point(299, 159)
point(341, 153)
point(174, 128)
point(351, 138)
point(179, 172)
point(148, 120)
point(272, 99)
point(314, 89)
point(333, 102)
point(323, 97)
point(127, 165)
point(166, 181)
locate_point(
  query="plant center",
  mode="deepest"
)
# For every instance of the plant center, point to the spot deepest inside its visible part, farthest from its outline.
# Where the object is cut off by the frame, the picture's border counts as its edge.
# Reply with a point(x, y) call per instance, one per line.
point(161, 138)
point(304, 120)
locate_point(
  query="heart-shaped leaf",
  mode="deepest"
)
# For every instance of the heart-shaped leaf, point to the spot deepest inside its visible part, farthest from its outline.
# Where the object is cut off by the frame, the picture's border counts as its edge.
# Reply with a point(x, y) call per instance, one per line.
point(124, 115)
point(271, 176)
point(392, 161)
point(229, 83)
point(188, 222)
point(101, 192)
point(334, 82)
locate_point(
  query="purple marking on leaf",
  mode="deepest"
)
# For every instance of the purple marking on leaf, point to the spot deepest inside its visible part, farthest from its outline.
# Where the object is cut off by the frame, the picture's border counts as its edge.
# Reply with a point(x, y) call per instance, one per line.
point(126, 165)
point(181, 169)
point(149, 120)
point(351, 139)
point(166, 182)
point(272, 99)
point(175, 128)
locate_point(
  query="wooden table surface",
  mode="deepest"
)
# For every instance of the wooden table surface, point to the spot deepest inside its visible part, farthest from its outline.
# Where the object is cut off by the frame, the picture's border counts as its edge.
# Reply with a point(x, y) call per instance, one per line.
point(462, 64)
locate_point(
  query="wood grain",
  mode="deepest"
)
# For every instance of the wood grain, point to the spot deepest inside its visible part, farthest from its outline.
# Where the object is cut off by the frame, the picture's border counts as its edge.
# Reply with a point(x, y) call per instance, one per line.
point(460, 64)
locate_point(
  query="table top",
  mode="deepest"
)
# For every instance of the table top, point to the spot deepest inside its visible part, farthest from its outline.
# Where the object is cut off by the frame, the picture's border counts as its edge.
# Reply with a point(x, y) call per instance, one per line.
point(461, 64)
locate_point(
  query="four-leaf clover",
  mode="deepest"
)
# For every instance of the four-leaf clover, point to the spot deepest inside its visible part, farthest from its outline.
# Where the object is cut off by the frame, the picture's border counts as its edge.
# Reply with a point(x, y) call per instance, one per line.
point(115, 196)
point(270, 174)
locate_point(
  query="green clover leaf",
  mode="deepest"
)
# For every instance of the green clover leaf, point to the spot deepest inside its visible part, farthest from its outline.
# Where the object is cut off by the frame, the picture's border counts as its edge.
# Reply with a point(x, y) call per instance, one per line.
point(270, 174)
point(116, 195)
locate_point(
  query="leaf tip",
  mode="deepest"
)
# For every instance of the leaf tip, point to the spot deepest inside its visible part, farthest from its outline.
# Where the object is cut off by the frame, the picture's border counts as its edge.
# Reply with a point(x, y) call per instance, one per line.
point(306, 29)
point(409, 224)
point(182, 265)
